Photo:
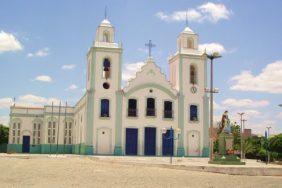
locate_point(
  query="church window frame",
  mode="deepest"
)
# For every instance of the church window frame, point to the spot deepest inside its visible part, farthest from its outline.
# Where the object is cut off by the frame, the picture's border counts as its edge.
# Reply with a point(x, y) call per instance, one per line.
point(151, 110)
point(193, 117)
point(168, 113)
point(105, 108)
point(193, 74)
point(51, 132)
point(131, 111)
point(16, 131)
point(106, 36)
point(106, 68)
point(190, 43)
point(68, 132)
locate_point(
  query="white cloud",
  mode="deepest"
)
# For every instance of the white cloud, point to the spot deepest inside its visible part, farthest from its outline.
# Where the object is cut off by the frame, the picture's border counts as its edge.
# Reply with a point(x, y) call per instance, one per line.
point(177, 16)
point(40, 53)
point(6, 102)
point(214, 12)
point(212, 47)
point(244, 103)
point(43, 78)
point(8, 42)
point(129, 70)
point(268, 81)
point(28, 100)
point(206, 12)
point(34, 100)
point(4, 120)
point(72, 87)
point(68, 67)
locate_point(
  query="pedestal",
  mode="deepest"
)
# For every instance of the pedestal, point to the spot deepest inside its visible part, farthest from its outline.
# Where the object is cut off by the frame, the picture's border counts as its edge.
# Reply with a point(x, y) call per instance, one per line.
point(225, 143)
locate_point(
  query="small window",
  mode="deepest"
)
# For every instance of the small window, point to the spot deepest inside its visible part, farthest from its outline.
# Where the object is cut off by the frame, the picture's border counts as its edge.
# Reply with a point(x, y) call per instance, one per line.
point(106, 36)
point(105, 108)
point(193, 75)
point(132, 108)
point(106, 68)
point(167, 109)
point(150, 111)
point(193, 113)
point(190, 43)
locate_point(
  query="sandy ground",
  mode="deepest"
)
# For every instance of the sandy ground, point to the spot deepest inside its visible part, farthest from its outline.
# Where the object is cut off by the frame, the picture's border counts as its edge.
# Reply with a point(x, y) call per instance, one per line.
point(82, 171)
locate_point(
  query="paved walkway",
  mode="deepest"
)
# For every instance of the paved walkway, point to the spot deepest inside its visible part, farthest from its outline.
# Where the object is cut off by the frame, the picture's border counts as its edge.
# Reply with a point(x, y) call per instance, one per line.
point(83, 171)
point(252, 167)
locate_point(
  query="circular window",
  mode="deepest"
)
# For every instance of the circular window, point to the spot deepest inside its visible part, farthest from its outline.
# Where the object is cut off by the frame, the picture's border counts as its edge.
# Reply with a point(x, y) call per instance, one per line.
point(151, 91)
point(192, 135)
point(106, 85)
point(103, 132)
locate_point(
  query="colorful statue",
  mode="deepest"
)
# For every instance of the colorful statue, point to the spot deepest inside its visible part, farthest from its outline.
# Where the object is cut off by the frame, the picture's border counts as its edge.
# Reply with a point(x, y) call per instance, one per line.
point(225, 124)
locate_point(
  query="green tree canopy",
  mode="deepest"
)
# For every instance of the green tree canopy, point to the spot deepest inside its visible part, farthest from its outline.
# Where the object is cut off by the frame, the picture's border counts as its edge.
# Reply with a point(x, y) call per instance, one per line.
point(4, 134)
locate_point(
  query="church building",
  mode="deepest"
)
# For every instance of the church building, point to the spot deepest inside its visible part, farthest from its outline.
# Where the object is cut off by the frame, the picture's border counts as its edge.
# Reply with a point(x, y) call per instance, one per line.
point(150, 115)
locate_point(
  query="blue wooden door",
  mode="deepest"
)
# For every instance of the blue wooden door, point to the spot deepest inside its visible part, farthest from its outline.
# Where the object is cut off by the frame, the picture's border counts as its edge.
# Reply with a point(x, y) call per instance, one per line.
point(131, 141)
point(150, 141)
point(26, 144)
point(168, 143)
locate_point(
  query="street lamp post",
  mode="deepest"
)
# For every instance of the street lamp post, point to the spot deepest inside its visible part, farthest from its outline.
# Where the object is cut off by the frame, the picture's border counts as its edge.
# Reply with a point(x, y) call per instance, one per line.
point(268, 153)
point(211, 91)
point(171, 139)
point(241, 132)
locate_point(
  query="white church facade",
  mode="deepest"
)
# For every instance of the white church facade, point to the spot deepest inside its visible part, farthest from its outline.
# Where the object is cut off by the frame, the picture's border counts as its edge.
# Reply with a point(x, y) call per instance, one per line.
point(136, 119)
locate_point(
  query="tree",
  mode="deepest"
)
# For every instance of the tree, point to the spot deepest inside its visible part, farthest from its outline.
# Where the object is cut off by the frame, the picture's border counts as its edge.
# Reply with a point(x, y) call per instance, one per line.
point(4, 134)
point(275, 144)
point(235, 129)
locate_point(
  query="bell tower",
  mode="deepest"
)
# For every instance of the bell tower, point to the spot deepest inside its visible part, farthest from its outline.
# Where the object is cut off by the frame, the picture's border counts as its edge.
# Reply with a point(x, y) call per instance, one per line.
point(187, 68)
point(104, 62)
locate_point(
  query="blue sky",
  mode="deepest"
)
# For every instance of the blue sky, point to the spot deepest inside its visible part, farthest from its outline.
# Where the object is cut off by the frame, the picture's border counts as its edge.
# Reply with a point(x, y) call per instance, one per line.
point(43, 46)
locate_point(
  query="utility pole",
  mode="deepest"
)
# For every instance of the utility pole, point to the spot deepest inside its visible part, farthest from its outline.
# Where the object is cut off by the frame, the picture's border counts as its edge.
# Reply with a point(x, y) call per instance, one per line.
point(241, 127)
point(211, 90)
point(243, 132)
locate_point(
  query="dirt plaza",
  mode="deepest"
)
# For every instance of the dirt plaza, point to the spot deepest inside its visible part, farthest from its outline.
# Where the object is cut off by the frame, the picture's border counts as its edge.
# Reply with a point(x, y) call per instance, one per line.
point(81, 171)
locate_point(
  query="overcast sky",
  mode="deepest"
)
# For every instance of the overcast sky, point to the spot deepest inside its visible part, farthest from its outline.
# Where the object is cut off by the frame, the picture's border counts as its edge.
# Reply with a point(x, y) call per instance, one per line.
point(43, 46)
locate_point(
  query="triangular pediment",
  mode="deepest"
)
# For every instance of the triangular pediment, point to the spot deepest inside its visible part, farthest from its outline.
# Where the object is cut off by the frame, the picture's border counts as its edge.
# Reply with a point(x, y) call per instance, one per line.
point(150, 75)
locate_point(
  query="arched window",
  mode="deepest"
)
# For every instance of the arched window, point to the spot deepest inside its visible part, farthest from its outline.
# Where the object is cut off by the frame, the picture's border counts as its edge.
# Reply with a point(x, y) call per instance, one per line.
point(190, 43)
point(36, 133)
point(105, 108)
point(106, 36)
point(150, 107)
point(193, 74)
point(68, 133)
point(193, 113)
point(167, 109)
point(16, 133)
point(51, 132)
point(132, 108)
point(106, 68)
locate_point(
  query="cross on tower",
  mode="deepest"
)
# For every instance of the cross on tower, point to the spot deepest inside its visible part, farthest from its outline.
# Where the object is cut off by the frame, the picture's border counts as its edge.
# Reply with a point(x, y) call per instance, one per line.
point(106, 15)
point(150, 45)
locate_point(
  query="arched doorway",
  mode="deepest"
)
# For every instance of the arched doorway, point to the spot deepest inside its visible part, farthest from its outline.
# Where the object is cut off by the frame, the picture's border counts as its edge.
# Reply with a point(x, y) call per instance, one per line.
point(193, 143)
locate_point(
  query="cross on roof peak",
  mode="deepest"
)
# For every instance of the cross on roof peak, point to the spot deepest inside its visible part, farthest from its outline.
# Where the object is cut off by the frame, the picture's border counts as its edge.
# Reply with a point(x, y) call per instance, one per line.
point(150, 45)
